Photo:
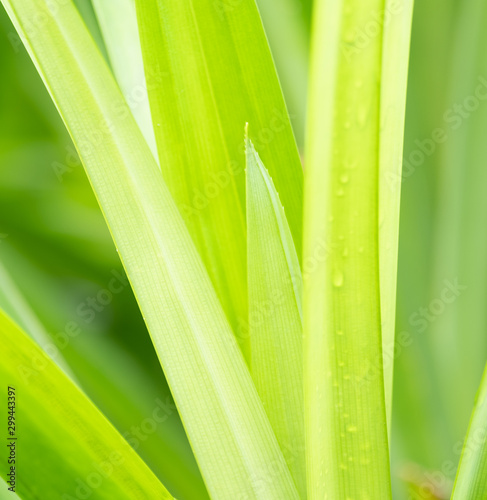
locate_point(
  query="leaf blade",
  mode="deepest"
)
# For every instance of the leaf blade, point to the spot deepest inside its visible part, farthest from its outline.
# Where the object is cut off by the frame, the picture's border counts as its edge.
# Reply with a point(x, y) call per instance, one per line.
point(199, 107)
point(118, 24)
point(395, 58)
point(203, 365)
point(275, 314)
point(78, 439)
point(345, 407)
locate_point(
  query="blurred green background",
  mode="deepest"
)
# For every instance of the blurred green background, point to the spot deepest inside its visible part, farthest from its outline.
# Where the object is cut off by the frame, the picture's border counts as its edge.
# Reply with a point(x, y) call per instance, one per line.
point(51, 228)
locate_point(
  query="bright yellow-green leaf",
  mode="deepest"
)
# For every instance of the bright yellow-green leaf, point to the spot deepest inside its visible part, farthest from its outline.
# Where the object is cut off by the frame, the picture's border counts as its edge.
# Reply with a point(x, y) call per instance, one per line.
point(345, 408)
point(118, 24)
point(275, 315)
point(212, 73)
point(63, 444)
point(395, 57)
point(118, 386)
point(230, 434)
point(471, 481)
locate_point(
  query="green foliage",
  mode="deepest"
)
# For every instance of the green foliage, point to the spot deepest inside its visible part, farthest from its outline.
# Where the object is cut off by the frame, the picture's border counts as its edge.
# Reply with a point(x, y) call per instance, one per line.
point(63, 434)
point(275, 315)
point(208, 224)
point(209, 71)
point(350, 150)
point(205, 370)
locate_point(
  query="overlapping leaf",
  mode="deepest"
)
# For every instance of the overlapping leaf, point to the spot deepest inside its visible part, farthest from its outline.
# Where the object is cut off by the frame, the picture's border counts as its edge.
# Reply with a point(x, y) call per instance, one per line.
point(212, 73)
point(207, 374)
point(275, 315)
point(118, 24)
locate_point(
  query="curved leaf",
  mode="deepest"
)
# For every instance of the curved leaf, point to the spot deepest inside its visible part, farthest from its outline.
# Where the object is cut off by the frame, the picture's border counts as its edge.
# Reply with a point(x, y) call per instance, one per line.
point(236, 448)
point(65, 446)
point(213, 72)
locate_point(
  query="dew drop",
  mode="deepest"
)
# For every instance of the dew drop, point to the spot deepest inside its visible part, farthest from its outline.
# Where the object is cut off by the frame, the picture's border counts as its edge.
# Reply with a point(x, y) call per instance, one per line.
point(340, 192)
point(352, 428)
point(344, 178)
point(337, 278)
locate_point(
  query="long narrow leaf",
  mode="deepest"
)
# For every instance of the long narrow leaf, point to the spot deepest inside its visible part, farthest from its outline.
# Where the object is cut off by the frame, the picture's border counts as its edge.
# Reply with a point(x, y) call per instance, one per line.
point(141, 411)
point(118, 24)
point(213, 72)
point(346, 424)
point(275, 316)
point(230, 434)
point(395, 57)
point(471, 481)
point(60, 434)
point(111, 378)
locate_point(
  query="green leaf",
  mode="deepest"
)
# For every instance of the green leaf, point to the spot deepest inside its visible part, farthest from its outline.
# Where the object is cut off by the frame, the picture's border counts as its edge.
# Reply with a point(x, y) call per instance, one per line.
point(6, 494)
point(140, 410)
point(395, 58)
point(85, 453)
point(236, 448)
point(471, 480)
point(275, 315)
point(212, 73)
point(345, 409)
point(133, 401)
point(85, 8)
point(118, 23)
